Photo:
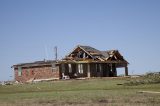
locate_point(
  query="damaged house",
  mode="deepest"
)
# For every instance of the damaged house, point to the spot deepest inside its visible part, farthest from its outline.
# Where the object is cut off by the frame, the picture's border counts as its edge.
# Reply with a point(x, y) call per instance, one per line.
point(86, 61)
point(83, 61)
point(36, 71)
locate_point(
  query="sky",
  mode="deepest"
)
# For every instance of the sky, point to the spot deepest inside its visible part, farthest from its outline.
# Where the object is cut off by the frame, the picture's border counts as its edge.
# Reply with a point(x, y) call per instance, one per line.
point(30, 29)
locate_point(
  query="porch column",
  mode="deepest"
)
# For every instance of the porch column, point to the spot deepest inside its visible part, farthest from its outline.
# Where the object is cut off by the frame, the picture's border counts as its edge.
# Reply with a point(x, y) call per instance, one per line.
point(88, 71)
point(126, 71)
point(107, 70)
point(115, 72)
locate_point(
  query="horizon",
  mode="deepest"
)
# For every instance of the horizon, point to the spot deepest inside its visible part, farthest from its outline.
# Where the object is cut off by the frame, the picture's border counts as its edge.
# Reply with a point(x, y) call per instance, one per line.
point(29, 31)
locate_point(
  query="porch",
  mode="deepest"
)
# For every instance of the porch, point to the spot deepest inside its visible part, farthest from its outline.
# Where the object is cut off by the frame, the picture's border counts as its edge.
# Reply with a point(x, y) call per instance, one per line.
point(79, 70)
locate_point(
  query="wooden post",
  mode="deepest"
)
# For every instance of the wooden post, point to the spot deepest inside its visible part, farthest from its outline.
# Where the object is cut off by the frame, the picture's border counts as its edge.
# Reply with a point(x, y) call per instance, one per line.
point(88, 71)
point(115, 72)
point(107, 69)
point(126, 71)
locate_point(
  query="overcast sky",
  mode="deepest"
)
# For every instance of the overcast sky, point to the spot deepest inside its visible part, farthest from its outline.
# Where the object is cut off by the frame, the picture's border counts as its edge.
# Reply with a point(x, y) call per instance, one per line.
point(29, 30)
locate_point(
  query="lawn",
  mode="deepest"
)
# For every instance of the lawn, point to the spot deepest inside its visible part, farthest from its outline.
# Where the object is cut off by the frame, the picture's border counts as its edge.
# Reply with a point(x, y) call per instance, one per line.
point(90, 92)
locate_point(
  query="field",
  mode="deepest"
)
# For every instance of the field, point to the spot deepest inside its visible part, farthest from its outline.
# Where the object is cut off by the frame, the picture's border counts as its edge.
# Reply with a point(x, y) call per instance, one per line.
point(90, 92)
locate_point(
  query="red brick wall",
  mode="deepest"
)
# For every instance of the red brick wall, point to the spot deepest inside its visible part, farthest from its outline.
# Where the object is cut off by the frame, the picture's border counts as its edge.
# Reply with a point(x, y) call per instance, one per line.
point(42, 72)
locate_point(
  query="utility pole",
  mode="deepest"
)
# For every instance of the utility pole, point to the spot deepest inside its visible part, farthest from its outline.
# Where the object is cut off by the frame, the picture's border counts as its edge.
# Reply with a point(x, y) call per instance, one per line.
point(55, 52)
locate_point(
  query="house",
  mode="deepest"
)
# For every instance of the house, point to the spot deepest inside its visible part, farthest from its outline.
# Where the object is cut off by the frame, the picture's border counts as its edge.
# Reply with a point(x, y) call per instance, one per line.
point(86, 61)
point(83, 61)
point(39, 70)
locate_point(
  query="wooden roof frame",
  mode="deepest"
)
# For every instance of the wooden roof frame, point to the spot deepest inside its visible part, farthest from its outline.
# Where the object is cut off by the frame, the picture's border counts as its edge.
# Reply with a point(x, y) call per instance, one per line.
point(79, 46)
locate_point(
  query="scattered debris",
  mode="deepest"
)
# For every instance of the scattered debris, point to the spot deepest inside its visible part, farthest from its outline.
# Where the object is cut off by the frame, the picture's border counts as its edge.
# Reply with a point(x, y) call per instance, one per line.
point(135, 76)
point(43, 80)
point(152, 92)
point(39, 88)
point(80, 78)
point(119, 84)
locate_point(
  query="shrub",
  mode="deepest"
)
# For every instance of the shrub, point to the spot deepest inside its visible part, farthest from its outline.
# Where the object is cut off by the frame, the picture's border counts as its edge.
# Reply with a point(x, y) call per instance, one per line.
point(148, 78)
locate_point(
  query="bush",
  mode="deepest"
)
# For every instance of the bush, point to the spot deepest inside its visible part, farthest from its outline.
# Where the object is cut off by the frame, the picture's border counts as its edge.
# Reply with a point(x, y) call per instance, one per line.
point(153, 77)
point(148, 78)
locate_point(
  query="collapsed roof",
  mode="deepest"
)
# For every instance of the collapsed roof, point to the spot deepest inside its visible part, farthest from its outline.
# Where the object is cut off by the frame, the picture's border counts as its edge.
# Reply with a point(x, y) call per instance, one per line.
point(35, 64)
point(82, 53)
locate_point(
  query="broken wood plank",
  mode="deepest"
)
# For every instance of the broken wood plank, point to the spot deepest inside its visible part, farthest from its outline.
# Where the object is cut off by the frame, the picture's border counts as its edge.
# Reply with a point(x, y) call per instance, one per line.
point(152, 92)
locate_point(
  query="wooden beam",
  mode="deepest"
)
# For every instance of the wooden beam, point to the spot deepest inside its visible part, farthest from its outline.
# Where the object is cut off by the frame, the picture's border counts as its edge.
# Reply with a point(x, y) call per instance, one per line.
point(152, 92)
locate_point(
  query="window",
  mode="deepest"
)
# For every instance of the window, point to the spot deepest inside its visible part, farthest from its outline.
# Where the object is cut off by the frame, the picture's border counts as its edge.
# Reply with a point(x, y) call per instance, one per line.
point(19, 71)
point(70, 68)
point(98, 67)
point(80, 68)
point(27, 72)
point(80, 54)
point(54, 68)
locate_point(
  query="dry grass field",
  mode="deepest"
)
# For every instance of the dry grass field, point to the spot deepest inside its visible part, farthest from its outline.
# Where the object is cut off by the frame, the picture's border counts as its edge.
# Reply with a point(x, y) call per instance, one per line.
point(89, 92)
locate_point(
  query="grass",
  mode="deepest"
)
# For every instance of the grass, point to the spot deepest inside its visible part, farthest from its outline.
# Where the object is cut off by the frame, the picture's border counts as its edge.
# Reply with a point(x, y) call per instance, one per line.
point(93, 92)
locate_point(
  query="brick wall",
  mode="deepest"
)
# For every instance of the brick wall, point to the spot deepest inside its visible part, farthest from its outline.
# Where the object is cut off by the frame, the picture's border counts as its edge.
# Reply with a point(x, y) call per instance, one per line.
point(39, 72)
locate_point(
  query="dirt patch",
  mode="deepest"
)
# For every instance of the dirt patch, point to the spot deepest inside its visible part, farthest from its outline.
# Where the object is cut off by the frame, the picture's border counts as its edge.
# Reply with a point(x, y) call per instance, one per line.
point(47, 101)
point(103, 101)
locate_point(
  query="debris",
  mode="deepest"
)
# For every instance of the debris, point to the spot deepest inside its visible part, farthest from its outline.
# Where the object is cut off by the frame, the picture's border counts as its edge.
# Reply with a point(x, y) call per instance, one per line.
point(119, 84)
point(152, 92)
